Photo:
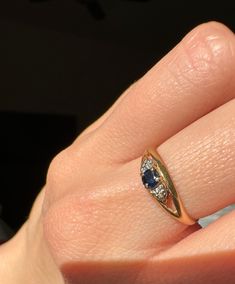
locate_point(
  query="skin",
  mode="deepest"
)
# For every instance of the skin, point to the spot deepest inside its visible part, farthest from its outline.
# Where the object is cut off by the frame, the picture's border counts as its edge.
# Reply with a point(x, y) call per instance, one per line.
point(95, 223)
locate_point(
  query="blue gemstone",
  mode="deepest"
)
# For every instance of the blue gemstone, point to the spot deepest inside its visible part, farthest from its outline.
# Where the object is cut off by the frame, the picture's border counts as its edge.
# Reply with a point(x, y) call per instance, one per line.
point(149, 178)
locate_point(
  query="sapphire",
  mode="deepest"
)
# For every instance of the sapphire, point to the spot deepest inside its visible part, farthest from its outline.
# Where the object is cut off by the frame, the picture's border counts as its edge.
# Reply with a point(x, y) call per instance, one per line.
point(150, 178)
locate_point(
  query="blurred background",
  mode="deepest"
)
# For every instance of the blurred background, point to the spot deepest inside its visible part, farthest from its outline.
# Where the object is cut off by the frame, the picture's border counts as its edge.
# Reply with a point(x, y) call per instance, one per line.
point(63, 63)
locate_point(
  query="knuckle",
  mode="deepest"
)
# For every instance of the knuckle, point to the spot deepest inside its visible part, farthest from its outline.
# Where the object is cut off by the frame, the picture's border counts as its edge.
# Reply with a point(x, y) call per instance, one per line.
point(59, 177)
point(69, 170)
point(57, 167)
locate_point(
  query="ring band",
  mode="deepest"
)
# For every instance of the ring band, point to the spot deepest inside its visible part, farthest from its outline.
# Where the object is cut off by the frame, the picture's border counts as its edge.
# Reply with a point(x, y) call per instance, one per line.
point(157, 181)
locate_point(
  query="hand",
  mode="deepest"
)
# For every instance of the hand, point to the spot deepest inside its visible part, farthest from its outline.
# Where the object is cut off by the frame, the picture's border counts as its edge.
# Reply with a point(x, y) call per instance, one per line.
point(95, 223)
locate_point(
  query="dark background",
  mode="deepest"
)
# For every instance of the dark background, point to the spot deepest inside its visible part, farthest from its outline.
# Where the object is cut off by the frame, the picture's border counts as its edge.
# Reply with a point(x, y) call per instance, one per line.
point(62, 63)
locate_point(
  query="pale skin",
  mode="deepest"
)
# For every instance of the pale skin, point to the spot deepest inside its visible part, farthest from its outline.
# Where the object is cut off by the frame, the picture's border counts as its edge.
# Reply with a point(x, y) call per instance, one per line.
point(95, 223)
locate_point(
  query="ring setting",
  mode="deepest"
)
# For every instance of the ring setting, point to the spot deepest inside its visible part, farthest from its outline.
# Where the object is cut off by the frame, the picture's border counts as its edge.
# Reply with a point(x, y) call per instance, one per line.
point(158, 182)
point(152, 180)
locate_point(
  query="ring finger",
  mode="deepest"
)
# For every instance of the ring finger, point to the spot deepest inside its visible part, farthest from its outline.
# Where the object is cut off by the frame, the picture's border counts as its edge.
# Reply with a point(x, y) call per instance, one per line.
point(201, 162)
point(120, 217)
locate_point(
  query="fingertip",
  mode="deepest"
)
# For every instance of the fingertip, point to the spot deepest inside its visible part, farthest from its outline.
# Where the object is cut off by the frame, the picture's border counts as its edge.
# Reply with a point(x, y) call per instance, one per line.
point(210, 29)
point(210, 46)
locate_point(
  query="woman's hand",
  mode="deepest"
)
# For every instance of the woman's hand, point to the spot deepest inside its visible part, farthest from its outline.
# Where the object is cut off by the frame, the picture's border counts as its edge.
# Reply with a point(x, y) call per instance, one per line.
point(95, 223)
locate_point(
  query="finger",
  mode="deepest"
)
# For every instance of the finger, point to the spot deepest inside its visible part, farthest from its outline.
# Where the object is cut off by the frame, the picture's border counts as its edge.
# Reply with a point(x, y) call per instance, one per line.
point(207, 256)
point(117, 218)
point(198, 269)
point(190, 81)
point(218, 237)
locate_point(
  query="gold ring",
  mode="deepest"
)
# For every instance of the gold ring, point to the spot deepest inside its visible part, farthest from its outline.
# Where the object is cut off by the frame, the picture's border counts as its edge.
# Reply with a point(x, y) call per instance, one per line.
point(158, 182)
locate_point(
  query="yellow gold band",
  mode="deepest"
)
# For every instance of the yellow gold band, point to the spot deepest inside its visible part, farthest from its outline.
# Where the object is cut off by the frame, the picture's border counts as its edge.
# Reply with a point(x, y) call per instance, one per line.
point(157, 180)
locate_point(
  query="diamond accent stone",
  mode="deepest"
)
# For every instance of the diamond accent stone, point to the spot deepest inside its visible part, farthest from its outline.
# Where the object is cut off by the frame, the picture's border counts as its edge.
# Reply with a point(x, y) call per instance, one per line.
point(160, 192)
point(146, 165)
